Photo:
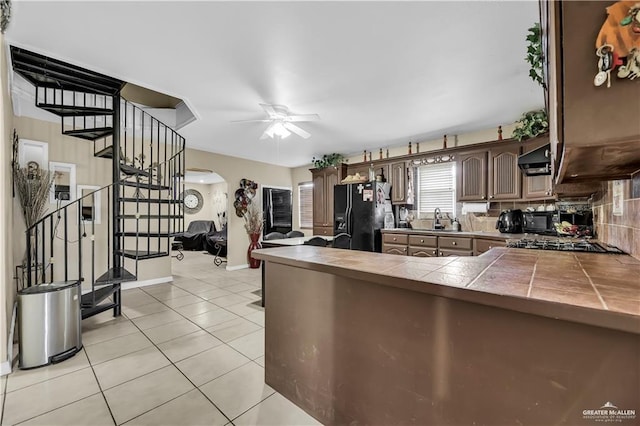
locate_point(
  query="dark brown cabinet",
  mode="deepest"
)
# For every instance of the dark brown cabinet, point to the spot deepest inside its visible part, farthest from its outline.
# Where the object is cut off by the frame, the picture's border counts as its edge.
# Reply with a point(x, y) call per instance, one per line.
point(472, 176)
point(504, 178)
point(399, 182)
point(481, 245)
point(323, 182)
point(536, 187)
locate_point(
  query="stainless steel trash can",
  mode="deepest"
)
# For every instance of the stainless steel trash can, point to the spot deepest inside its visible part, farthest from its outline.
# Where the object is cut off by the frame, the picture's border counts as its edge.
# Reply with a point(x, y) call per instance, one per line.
point(49, 323)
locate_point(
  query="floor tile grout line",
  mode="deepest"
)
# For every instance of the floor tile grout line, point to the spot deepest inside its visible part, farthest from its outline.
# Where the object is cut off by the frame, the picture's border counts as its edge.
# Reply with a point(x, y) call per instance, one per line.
point(57, 408)
point(4, 400)
point(104, 397)
point(255, 405)
point(151, 409)
point(189, 380)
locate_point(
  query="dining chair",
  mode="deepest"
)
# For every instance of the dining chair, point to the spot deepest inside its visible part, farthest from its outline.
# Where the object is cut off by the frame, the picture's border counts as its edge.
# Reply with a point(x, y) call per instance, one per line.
point(294, 234)
point(342, 241)
point(316, 241)
point(274, 236)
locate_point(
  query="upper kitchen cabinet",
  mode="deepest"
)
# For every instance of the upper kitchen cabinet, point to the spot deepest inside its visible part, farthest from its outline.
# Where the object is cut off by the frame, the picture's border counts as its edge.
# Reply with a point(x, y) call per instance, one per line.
point(504, 177)
point(536, 187)
point(595, 130)
point(399, 182)
point(472, 176)
point(323, 182)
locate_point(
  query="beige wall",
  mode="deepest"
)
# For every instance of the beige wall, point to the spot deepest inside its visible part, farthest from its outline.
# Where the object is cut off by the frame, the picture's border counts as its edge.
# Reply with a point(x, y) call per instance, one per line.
point(7, 294)
point(233, 169)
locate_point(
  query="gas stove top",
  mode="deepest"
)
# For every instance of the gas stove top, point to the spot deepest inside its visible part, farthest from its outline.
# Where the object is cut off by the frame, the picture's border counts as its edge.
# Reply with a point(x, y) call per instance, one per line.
point(563, 245)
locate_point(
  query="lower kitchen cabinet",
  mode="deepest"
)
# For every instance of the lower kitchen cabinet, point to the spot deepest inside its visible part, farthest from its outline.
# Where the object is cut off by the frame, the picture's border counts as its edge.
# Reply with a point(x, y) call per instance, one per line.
point(394, 249)
point(447, 253)
point(435, 245)
point(322, 230)
point(481, 246)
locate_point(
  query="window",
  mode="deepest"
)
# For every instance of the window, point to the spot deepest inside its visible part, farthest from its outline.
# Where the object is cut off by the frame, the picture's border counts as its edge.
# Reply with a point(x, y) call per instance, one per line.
point(437, 188)
point(305, 204)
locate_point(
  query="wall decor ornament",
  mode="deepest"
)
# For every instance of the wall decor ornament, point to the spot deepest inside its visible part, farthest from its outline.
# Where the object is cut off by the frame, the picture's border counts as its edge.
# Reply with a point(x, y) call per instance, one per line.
point(5, 7)
point(618, 43)
point(244, 195)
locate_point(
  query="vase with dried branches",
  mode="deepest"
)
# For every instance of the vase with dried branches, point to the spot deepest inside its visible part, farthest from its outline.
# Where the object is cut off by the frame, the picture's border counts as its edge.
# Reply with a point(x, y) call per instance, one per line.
point(253, 224)
point(32, 186)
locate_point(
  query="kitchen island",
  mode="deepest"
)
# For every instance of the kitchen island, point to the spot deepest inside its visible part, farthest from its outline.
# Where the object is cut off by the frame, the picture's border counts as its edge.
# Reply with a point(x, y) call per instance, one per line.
point(511, 337)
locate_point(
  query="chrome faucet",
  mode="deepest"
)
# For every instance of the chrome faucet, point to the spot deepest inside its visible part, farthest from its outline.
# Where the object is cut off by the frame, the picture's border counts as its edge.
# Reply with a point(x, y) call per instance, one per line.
point(437, 215)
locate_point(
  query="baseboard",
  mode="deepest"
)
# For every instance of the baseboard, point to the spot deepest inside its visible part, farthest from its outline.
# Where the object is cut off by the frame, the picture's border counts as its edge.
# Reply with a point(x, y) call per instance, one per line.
point(237, 267)
point(135, 284)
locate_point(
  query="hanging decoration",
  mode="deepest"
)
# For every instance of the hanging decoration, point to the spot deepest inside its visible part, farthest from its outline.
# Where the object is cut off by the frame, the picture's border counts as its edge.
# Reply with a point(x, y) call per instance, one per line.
point(5, 8)
point(244, 195)
point(618, 43)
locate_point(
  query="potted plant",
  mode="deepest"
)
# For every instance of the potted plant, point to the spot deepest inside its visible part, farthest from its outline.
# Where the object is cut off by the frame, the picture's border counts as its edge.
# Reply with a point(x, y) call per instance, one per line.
point(253, 224)
point(328, 160)
point(532, 124)
point(32, 185)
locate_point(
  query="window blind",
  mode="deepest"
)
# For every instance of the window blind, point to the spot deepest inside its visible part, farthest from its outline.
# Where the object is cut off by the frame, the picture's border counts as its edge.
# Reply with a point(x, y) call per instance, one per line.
point(437, 188)
point(305, 204)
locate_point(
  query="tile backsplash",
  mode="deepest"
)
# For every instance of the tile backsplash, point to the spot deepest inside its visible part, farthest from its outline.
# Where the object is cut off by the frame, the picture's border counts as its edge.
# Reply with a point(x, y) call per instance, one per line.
point(622, 231)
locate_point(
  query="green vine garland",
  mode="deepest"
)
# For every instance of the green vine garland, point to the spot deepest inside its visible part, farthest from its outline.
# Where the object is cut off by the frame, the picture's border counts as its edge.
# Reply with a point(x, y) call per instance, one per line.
point(535, 58)
point(532, 124)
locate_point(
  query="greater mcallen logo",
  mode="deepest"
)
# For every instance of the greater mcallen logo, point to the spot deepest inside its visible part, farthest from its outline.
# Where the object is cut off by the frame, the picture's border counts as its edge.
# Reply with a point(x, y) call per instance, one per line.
point(609, 413)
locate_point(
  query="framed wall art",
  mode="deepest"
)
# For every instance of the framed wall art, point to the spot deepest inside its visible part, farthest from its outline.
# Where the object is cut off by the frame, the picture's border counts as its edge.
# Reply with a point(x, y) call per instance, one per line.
point(63, 189)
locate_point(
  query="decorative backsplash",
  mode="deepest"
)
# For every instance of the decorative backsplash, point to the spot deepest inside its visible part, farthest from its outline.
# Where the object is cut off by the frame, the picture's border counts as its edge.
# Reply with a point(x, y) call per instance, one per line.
point(619, 226)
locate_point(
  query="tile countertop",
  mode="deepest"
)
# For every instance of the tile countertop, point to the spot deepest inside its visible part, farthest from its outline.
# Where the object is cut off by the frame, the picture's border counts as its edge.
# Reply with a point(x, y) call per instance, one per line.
point(494, 235)
point(590, 288)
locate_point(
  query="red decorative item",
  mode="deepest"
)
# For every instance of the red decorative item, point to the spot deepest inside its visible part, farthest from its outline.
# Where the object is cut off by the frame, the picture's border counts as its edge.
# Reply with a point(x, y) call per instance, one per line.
point(255, 244)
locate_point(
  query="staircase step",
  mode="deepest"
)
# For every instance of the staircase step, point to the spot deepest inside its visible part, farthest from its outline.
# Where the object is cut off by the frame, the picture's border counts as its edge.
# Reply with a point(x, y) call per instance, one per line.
point(90, 134)
point(132, 171)
point(89, 312)
point(115, 276)
point(150, 216)
point(148, 200)
point(75, 111)
point(142, 254)
point(88, 301)
point(105, 153)
point(145, 185)
point(147, 234)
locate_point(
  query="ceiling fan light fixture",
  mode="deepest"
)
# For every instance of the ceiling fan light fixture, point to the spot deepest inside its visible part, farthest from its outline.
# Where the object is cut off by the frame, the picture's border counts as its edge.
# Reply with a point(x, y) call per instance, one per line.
point(277, 129)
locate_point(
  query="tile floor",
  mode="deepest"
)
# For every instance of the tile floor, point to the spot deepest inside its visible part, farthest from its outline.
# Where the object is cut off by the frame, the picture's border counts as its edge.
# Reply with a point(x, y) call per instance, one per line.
point(190, 352)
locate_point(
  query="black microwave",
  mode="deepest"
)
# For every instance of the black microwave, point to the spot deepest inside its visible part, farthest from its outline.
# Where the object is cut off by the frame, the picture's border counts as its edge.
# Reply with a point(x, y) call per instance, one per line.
point(539, 222)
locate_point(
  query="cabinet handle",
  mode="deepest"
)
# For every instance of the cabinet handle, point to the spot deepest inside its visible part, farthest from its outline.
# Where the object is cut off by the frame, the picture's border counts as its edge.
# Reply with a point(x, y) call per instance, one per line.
point(404, 249)
point(440, 253)
point(394, 238)
point(483, 197)
point(454, 243)
point(490, 196)
point(422, 241)
point(434, 252)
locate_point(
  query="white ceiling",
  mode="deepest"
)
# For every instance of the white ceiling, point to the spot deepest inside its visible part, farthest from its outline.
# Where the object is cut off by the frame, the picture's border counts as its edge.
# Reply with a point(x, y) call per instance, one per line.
point(378, 73)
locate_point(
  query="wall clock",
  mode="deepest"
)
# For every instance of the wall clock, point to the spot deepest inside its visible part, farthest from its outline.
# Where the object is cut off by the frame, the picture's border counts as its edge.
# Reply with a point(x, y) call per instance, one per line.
point(192, 201)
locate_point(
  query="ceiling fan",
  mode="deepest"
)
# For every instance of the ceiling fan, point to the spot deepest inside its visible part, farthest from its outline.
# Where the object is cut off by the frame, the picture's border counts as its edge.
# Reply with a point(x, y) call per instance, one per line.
point(281, 121)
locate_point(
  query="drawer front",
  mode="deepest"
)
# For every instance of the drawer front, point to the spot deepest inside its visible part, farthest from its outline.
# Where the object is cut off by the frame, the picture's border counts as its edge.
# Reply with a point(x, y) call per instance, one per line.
point(446, 253)
point(423, 240)
point(423, 251)
point(395, 238)
point(322, 230)
point(482, 246)
point(456, 243)
point(394, 249)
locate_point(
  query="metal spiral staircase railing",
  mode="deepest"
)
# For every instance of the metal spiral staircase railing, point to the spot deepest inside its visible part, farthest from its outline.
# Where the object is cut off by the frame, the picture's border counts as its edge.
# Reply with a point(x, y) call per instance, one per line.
point(144, 205)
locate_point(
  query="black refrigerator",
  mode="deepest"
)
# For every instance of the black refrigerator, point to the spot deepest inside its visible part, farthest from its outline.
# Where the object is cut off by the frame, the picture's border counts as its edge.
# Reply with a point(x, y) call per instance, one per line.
point(276, 209)
point(359, 210)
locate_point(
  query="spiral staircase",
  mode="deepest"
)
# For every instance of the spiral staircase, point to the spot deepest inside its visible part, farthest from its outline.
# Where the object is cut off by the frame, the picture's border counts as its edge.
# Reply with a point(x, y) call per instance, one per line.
point(143, 200)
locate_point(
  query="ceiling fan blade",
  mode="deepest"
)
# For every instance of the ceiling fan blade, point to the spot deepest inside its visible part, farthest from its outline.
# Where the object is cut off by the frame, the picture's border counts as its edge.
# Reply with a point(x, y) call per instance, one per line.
point(297, 130)
point(269, 110)
point(302, 117)
point(251, 121)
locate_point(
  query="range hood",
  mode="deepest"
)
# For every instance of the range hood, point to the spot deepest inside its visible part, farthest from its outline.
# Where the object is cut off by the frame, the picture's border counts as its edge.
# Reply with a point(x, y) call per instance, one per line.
point(536, 162)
